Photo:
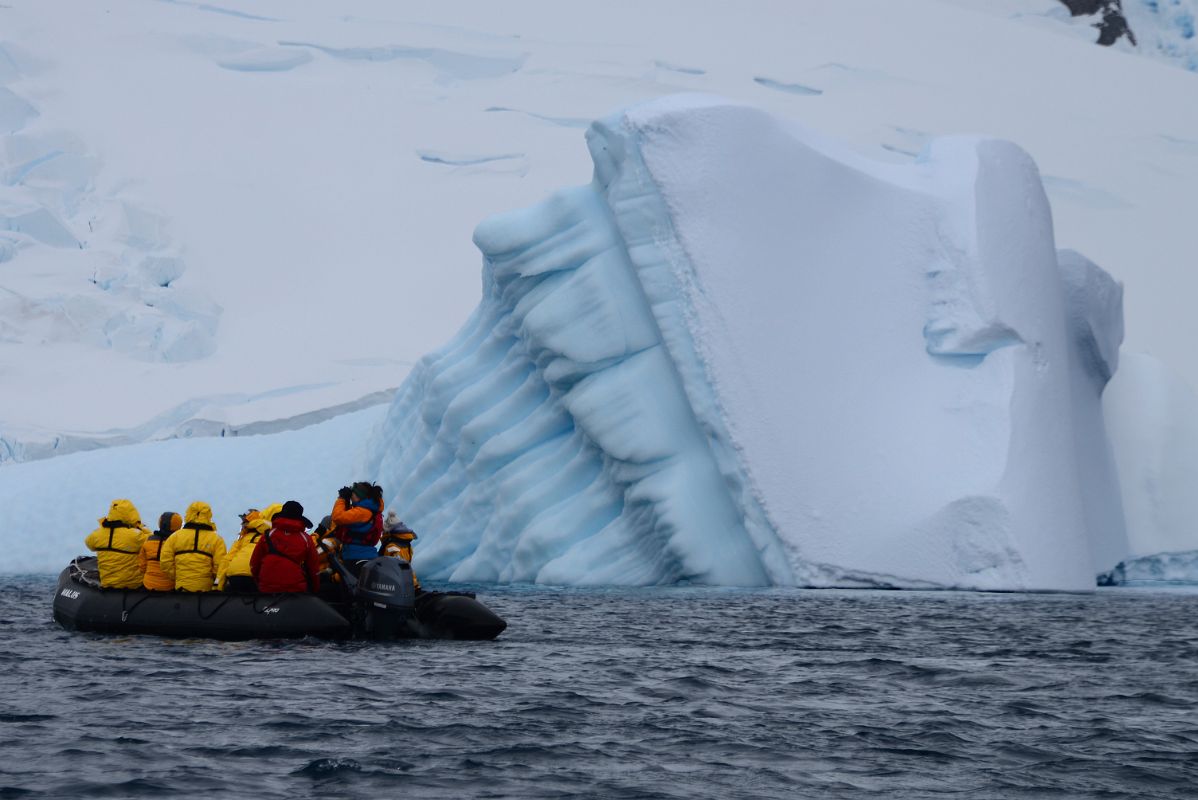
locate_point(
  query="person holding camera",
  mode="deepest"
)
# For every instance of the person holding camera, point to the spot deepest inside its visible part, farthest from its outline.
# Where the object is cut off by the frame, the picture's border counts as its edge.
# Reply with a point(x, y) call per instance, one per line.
point(358, 521)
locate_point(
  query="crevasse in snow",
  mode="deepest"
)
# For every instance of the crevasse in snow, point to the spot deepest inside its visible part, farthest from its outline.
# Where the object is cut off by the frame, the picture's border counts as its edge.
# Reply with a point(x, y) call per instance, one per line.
point(81, 265)
point(743, 355)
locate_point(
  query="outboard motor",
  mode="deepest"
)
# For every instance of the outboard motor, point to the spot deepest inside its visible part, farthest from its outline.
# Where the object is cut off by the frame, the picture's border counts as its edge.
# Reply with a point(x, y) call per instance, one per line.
point(386, 595)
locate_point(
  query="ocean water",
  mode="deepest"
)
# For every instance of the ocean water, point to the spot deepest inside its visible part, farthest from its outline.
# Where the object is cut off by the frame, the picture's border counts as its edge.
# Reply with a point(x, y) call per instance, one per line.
point(665, 693)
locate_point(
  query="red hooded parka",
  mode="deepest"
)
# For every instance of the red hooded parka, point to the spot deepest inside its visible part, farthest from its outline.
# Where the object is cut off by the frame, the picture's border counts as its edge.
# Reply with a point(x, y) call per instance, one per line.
point(285, 559)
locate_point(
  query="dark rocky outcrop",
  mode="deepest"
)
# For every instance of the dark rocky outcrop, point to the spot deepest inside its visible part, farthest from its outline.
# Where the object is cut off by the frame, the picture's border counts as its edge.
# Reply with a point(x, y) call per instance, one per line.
point(1113, 24)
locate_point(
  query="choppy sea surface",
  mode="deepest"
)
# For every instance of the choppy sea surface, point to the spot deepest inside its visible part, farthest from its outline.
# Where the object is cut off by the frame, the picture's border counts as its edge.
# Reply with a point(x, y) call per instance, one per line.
point(665, 693)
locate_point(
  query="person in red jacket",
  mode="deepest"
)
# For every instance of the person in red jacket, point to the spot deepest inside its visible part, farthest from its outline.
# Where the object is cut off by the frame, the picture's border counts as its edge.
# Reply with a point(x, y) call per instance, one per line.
point(285, 559)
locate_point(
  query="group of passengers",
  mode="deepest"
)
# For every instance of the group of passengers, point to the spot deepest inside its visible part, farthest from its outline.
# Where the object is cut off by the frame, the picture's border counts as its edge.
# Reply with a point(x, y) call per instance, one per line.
point(274, 551)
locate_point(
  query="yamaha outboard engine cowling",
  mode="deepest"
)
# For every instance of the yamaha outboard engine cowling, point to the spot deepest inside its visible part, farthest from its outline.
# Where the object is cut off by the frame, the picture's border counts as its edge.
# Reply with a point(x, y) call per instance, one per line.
point(387, 596)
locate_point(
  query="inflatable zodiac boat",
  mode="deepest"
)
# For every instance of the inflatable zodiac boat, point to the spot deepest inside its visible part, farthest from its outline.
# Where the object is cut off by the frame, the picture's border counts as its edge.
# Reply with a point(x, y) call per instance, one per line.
point(379, 603)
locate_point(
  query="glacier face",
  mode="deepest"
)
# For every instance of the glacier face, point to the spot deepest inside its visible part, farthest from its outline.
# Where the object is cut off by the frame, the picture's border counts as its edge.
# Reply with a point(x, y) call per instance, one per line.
point(743, 355)
point(1153, 422)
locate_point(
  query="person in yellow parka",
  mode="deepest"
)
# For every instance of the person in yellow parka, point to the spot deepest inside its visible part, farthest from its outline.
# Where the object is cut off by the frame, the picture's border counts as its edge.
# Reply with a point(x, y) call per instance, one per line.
point(154, 578)
point(269, 512)
point(234, 574)
point(117, 544)
point(192, 554)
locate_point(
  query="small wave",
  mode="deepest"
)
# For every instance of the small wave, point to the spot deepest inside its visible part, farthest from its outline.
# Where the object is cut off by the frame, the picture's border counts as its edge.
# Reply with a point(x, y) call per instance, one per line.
point(287, 722)
point(1026, 709)
point(1155, 698)
point(135, 787)
point(324, 767)
point(441, 695)
point(696, 683)
point(251, 751)
point(905, 669)
point(976, 679)
point(1027, 754)
point(919, 752)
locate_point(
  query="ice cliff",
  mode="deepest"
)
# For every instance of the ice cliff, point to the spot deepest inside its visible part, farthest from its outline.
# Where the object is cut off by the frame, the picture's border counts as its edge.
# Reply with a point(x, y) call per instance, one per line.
point(1153, 424)
point(745, 355)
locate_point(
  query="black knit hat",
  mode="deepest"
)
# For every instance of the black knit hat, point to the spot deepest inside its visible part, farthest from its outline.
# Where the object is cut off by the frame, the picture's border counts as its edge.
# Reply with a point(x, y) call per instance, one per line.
point(293, 510)
point(364, 490)
point(168, 523)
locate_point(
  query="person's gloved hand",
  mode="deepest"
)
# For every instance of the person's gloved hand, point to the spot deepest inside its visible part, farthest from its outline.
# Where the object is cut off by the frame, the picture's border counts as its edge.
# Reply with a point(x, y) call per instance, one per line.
point(344, 493)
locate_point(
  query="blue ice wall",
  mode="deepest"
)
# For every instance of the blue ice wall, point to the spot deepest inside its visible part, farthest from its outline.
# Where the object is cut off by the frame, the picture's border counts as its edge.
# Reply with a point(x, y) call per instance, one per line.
point(553, 439)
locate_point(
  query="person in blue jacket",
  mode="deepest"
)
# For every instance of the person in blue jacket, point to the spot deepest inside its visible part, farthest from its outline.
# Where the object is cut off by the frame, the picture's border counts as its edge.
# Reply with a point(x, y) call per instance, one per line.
point(358, 521)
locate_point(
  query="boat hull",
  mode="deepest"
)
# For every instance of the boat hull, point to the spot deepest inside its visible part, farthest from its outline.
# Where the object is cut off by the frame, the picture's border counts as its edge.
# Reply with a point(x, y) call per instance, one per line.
point(81, 605)
point(455, 616)
point(210, 615)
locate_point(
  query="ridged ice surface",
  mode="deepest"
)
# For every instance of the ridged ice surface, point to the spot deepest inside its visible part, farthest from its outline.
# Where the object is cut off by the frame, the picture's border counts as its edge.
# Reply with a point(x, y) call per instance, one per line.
point(745, 355)
point(553, 440)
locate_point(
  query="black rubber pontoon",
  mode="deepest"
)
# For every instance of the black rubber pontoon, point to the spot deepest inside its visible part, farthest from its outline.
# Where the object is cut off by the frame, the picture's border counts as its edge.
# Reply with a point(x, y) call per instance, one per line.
point(379, 603)
point(81, 605)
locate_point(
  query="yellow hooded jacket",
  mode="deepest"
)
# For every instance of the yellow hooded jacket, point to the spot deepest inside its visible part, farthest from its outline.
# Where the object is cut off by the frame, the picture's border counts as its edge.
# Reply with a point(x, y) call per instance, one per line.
point(117, 543)
point(237, 561)
point(192, 555)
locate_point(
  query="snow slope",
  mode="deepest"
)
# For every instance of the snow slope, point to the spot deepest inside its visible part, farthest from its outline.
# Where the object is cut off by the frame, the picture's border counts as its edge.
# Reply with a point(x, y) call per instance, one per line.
point(746, 355)
point(314, 172)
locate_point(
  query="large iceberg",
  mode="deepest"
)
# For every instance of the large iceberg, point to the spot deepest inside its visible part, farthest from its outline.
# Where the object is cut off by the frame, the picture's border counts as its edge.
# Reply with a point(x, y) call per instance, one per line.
point(746, 355)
